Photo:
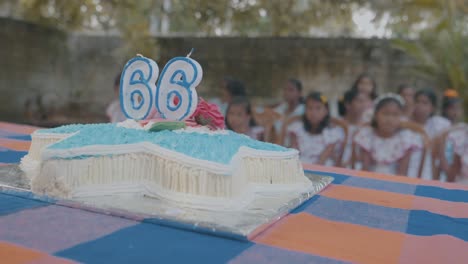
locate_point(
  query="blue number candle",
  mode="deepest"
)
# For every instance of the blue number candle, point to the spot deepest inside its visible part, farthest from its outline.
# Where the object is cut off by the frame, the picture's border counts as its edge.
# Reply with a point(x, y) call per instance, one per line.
point(176, 97)
point(137, 87)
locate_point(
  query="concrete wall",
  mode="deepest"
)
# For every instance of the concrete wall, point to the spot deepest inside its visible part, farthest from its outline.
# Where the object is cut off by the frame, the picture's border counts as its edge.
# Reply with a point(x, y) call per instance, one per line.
point(73, 74)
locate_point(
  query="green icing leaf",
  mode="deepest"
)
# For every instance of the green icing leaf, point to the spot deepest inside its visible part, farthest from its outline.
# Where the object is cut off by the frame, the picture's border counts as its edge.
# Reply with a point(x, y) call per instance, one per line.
point(167, 125)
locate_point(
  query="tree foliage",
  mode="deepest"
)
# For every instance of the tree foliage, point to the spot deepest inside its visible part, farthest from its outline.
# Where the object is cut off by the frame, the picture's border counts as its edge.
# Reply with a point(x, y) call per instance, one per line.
point(442, 49)
point(435, 30)
point(229, 17)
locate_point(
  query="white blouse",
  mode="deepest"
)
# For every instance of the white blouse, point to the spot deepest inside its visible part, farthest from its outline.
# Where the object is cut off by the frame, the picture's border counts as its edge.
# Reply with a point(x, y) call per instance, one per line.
point(114, 112)
point(311, 146)
point(256, 132)
point(459, 138)
point(387, 152)
point(436, 125)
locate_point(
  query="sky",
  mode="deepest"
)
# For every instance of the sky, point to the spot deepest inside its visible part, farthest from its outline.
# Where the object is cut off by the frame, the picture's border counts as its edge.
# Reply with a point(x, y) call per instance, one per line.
point(365, 27)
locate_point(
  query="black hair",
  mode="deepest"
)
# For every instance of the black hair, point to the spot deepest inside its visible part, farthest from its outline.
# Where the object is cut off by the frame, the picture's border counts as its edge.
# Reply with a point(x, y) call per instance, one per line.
point(240, 100)
point(117, 80)
point(374, 84)
point(347, 98)
point(319, 97)
point(235, 87)
point(385, 101)
point(429, 93)
point(298, 85)
point(448, 101)
point(402, 87)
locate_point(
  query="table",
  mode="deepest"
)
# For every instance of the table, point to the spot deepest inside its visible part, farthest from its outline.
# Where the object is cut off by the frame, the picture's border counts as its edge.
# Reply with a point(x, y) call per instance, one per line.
point(361, 217)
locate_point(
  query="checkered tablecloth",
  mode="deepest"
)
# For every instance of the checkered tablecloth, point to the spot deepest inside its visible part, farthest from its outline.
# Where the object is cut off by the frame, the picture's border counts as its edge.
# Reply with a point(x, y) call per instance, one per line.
point(361, 218)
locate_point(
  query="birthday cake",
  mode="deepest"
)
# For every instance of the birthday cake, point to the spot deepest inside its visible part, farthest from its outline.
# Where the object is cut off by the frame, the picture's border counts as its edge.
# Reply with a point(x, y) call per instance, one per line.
point(195, 162)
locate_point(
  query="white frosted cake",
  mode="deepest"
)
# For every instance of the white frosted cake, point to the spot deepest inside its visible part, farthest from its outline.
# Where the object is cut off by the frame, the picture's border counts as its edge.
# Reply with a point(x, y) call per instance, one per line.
point(192, 165)
point(199, 164)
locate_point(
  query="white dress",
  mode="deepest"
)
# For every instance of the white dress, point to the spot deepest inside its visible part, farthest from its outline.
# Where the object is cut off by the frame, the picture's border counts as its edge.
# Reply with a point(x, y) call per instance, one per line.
point(311, 146)
point(282, 108)
point(459, 138)
point(256, 132)
point(114, 112)
point(434, 127)
point(386, 152)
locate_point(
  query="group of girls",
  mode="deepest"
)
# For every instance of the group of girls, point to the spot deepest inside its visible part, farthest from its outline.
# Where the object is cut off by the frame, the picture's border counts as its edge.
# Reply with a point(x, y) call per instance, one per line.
point(396, 133)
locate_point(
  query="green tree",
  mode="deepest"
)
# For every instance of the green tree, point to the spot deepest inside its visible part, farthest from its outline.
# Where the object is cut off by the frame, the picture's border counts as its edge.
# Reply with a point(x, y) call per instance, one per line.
point(138, 21)
point(238, 17)
point(442, 49)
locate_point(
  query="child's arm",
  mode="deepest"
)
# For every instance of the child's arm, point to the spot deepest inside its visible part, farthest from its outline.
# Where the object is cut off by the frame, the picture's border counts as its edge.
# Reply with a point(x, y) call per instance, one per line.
point(366, 160)
point(444, 164)
point(339, 157)
point(454, 169)
point(403, 164)
point(438, 150)
point(326, 154)
point(293, 141)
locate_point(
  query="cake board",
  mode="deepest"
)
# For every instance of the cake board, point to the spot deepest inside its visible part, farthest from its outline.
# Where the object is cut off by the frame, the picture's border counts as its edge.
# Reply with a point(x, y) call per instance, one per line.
point(244, 224)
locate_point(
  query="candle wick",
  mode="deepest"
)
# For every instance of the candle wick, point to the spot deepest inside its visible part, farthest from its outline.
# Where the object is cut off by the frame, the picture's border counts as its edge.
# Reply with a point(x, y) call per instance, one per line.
point(190, 53)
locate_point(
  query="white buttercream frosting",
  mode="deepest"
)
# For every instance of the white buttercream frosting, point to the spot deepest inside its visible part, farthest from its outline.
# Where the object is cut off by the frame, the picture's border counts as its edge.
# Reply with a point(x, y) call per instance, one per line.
point(152, 170)
point(130, 123)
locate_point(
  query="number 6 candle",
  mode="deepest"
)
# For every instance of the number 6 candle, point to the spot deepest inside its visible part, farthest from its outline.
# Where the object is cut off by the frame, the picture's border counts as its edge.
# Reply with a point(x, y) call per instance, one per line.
point(137, 86)
point(175, 97)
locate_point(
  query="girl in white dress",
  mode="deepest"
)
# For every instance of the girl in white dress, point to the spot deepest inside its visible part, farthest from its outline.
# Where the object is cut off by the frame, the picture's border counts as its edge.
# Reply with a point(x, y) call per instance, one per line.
point(452, 107)
point(312, 136)
point(384, 146)
point(239, 119)
point(458, 170)
point(407, 93)
point(352, 107)
point(434, 125)
point(291, 106)
point(425, 113)
point(367, 85)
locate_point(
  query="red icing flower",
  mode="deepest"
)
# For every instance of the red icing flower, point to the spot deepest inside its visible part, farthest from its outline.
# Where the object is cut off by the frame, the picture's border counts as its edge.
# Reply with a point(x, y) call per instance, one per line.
point(208, 114)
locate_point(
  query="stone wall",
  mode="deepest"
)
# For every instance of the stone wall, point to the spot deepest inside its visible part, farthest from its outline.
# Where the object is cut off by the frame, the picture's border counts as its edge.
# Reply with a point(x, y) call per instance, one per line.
point(49, 71)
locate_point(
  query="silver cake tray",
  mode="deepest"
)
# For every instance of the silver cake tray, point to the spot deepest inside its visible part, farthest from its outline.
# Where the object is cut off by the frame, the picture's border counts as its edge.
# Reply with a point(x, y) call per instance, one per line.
point(242, 224)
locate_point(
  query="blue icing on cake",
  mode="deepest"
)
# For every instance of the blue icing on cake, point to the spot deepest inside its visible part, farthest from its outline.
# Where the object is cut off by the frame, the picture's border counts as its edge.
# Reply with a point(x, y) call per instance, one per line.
point(218, 148)
point(68, 129)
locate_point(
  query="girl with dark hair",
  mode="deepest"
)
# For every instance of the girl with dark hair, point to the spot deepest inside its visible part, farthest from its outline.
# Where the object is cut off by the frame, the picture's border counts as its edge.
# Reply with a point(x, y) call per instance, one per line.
point(367, 85)
point(353, 106)
point(292, 104)
point(407, 93)
point(230, 88)
point(239, 119)
point(425, 113)
point(434, 126)
point(313, 136)
point(452, 108)
point(385, 147)
point(233, 88)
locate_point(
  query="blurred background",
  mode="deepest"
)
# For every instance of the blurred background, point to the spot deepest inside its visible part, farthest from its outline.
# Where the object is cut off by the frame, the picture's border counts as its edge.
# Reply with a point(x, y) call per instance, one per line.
point(59, 58)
